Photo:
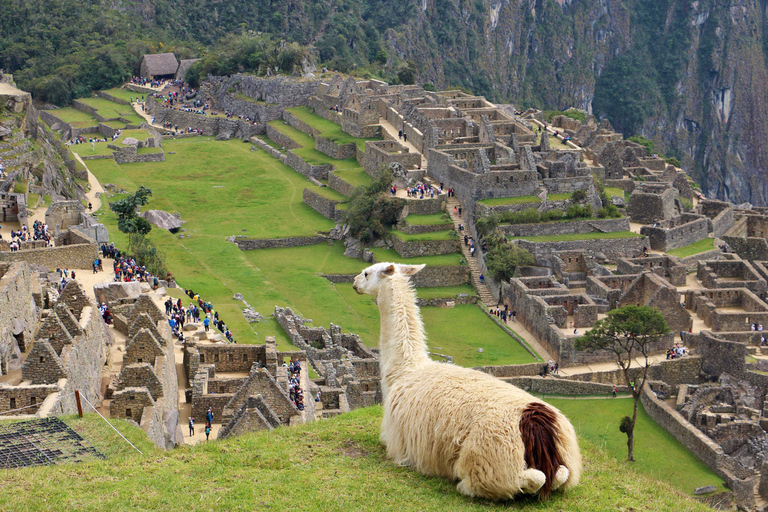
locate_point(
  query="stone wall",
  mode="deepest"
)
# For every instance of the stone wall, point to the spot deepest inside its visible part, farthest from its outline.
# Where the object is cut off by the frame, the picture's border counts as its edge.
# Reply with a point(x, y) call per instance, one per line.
point(417, 229)
point(300, 125)
point(665, 239)
point(322, 205)
point(723, 222)
point(339, 185)
point(71, 256)
point(412, 249)
point(221, 127)
point(647, 208)
point(261, 144)
point(231, 358)
point(555, 386)
point(283, 91)
point(16, 397)
point(18, 313)
point(569, 227)
point(260, 112)
point(319, 172)
point(430, 277)
point(613, 248)
point(333, 150)
point(426, 206)
point(280, 138)
point(274, 243)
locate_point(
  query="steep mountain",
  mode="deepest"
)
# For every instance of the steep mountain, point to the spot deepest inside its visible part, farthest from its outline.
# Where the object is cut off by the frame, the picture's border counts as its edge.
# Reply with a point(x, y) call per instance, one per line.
point(688, 74)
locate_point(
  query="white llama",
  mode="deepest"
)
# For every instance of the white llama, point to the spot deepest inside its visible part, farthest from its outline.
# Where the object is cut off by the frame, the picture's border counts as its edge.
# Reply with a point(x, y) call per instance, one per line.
point(458, 423)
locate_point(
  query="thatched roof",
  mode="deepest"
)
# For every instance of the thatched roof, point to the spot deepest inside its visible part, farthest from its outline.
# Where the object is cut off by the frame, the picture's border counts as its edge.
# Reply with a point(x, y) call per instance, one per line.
point(183, 67)
point(159, 64)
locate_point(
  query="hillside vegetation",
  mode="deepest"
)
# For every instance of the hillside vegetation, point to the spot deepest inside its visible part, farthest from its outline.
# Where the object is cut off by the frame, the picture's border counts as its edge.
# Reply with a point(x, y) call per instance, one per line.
point(335, 464)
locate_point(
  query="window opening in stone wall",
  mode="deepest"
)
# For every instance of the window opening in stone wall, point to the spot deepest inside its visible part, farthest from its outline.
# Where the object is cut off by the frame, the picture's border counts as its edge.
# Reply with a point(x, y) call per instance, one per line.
point(33, 401)
point(245, 358)
point(128, 413)
point(202, 358)
point(215, 358)
point(231, 358)
point(13, 403)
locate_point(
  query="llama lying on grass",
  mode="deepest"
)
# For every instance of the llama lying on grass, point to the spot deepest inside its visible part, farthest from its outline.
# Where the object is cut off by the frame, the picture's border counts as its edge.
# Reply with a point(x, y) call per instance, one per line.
point(458, 423)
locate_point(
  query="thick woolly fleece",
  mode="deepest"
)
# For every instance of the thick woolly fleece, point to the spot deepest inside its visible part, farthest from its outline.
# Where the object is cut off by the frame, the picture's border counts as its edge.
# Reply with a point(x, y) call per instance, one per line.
point(458, 423)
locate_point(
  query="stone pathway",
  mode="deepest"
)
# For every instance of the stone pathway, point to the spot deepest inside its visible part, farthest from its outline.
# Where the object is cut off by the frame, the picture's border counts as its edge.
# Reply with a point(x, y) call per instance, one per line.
point(387, 126)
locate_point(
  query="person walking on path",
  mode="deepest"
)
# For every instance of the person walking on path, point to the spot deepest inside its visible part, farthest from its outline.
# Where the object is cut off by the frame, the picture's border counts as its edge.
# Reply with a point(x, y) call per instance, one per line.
point(191, 426)
point(207, 431)
point(614, 391)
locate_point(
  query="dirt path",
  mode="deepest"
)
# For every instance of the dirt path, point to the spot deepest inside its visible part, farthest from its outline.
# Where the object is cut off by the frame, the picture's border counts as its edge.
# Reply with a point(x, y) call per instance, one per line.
point(386, 125)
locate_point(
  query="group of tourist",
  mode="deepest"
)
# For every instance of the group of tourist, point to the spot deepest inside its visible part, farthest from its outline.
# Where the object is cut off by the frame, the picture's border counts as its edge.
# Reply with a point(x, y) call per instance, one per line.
point(65, 274)
point(295, 392)
point(469, 241)
point(420, 190)
point(677, 351)
point(105, 313)
point(504, 314)
point(140, 80)
point(197, 309)
point(757, 327)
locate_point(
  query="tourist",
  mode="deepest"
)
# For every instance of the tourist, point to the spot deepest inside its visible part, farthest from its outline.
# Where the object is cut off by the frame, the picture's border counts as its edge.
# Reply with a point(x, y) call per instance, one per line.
point(191, 426)
point(614, 391)
point(207, 431)
point(482, 279)
point(209, 416)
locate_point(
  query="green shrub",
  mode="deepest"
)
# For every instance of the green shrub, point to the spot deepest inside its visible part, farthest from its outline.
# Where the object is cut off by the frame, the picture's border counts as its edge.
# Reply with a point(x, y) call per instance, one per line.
point(576, 211)
point(527, 216)
point(551, 215)
point(503, 259)
point(486, 225)
point(687, 204)
point(673, 161)
point(579, 195)
point(646, 143)
point(370, 213)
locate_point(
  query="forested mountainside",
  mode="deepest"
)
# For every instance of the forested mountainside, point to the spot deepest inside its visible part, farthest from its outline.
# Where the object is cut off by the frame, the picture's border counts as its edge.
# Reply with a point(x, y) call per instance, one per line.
point(690, 75)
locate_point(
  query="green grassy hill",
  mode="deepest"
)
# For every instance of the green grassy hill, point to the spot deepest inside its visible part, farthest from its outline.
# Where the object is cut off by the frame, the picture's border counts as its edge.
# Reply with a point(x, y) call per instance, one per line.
point(336, 464)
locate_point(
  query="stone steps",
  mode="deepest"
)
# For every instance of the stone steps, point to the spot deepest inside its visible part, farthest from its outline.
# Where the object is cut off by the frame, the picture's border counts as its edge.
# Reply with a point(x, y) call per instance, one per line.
point(474, 269)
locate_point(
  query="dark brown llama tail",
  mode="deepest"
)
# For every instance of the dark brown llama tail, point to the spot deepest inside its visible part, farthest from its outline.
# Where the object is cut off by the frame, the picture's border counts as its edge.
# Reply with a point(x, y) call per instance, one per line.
point(538, 427)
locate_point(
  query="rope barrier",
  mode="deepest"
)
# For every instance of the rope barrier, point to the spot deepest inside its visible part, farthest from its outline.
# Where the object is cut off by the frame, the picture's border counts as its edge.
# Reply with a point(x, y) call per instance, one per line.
point(108, 423)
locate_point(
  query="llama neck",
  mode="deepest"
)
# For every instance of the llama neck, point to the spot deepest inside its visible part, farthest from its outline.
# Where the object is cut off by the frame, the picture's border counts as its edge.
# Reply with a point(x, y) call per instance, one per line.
point(403, 341)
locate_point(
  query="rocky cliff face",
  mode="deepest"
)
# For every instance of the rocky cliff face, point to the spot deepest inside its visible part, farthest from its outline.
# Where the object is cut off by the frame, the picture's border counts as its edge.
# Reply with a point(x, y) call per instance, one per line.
point(690, 75)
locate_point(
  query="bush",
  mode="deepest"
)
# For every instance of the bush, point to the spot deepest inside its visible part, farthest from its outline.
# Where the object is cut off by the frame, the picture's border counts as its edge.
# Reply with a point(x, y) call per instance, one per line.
point(527, 216)
point(576, 211)
point(486, 225)
point(646, 143)
point(370, 213)
point(503, 259)
point(579, 195)
point(550, 215)
point(673, 161)
point(147, 254)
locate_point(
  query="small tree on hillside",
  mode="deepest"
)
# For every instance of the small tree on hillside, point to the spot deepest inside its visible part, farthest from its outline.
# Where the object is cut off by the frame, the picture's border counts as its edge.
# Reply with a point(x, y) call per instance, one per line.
point(127, 219)
point(628, 332)
point(371, 212)
point(504, 258)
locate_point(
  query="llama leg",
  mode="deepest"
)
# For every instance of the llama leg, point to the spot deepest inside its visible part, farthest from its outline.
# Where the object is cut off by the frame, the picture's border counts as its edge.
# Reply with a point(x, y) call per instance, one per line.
point(560, 477)
point(531, 480)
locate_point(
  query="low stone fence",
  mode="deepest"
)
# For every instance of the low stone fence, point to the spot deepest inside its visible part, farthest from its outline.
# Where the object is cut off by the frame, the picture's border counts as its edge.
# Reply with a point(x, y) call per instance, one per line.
point(691, 262)
point(113, 99)
point(269, 149)
point(322, 205)
point(319, 172)
point(220, 127)
point(280, 138)
point(674, 372)
point(512, 370)
point(432, 276)
point(558, 386)
point(274, 243)
point(411, 249)
point(319, 109)
point(299, 124)
point(445, 303)
point(563, 228)
point(426, 206)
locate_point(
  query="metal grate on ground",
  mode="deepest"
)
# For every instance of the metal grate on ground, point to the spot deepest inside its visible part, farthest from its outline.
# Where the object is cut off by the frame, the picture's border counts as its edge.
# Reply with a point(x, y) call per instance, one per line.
point(42, 442)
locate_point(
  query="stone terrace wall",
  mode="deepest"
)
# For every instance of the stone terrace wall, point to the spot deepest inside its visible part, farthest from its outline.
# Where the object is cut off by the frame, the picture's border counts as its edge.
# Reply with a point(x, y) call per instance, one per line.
point(283, 91)
point(280, 138)
point(424, 247)
point(319, 109)
point(562, 228)
point(18, 313)
point(556, 386)
point(613, 248)
point(674, 372)
point(210, 125)
point(339, 185)
point(274, 243)
point(666, 239)
point(269, 149)
point(322, 205)
point(426, 206)
point(319, 172)
point(431, 276)
point(260, 112)
point(300, 125)
point(333, 150)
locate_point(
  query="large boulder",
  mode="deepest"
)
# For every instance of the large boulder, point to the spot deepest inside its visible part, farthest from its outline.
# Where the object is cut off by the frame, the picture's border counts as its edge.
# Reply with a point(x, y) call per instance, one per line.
point(163, 220)
point(108, 292)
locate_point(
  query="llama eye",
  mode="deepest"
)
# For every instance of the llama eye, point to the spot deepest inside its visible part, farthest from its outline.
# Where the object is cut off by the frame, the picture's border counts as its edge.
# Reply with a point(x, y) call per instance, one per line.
point(365, 274)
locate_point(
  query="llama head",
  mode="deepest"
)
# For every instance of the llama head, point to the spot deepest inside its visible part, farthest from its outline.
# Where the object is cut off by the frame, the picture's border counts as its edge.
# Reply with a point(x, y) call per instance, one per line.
point(370, 280)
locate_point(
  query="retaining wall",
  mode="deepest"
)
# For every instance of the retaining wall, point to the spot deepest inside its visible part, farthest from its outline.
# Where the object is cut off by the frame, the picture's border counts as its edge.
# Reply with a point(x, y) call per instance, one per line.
point(274, 243)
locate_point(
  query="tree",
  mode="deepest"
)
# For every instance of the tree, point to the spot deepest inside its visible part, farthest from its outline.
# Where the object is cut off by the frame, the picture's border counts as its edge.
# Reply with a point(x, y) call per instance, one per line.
point(628, 332)
point(503, 259)
point(371, 212)
point(127, 220)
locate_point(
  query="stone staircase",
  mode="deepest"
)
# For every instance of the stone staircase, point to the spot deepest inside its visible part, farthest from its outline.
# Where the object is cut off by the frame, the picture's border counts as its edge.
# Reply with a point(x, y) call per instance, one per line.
point(474, 269)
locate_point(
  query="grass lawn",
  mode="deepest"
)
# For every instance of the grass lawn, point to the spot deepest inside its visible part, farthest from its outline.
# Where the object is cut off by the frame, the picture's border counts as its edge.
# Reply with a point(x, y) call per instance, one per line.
point(144, 151)
point(123, 94)
point(559, 197)
point(429, 220)
point(102, 148)
point(461, 330)
point(706, 244)
point(355, 177)
point(556, 143)
point(74, 117)
point(615, 191)
point(383, 254)
point(108, 109)
point(658, 455)
point(339, 464)
point(437, 235)
point(446, 292)
point(579, 236)
point(328, 129)
point(499, 201)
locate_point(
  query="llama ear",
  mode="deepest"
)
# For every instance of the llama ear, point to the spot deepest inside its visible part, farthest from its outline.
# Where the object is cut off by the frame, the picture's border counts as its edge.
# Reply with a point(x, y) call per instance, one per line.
point(388, 271)
point(409, 270)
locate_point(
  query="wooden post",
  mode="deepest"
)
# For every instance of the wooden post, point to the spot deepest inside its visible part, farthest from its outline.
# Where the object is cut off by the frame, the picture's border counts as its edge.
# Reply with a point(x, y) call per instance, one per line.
point(79, 405)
